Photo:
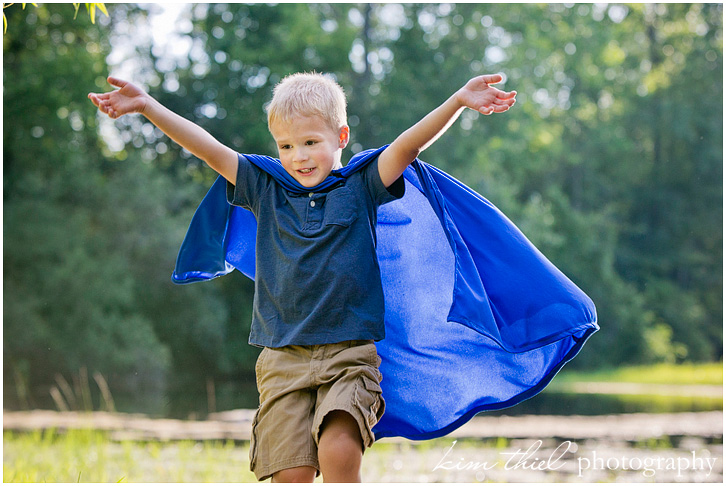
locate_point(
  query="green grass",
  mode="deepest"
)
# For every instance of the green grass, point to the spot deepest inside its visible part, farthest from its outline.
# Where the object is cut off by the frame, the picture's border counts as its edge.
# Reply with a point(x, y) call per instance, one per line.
point(93, 456)
point(663, 374)
point(90, 456)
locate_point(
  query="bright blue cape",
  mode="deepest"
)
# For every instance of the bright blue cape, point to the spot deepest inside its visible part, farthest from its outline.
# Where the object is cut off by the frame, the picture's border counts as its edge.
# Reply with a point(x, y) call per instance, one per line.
point(476, 317)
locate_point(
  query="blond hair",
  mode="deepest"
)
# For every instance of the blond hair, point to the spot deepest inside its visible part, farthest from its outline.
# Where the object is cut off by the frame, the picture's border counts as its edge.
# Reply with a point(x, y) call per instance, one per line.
point(308, 94)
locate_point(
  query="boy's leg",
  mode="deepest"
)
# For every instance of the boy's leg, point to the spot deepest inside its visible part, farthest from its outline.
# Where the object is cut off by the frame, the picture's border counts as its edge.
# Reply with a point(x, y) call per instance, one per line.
point(349, 403)
point(340, 448)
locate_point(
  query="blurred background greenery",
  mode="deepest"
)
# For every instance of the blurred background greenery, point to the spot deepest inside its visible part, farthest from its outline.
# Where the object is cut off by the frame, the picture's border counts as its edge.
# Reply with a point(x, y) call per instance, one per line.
point(610, 162)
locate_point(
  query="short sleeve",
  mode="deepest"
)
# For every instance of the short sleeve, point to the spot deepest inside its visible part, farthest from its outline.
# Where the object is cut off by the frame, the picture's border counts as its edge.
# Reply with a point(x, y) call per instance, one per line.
point(251, 182)
point(379, 192)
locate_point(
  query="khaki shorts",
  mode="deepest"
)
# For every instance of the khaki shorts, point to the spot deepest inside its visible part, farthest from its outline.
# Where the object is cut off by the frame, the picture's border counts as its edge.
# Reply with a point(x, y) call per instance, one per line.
point(298, 386)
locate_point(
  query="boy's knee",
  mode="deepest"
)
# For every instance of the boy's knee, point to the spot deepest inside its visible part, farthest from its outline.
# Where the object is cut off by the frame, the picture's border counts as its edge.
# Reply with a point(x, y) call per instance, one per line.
point(302, 474)
point(340, 433)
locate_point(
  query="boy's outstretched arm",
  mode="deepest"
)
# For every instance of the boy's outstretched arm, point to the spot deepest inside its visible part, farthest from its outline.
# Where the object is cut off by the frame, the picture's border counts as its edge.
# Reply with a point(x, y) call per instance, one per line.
point(132, 99)
point(477, 94)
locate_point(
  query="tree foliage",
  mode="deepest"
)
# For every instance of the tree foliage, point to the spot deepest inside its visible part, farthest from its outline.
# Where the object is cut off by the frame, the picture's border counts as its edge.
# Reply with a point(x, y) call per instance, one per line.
point(91, 7)
point(610, 162)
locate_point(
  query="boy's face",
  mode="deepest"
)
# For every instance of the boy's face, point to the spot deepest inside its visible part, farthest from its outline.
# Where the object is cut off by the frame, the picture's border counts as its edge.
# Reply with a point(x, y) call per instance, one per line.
point(309, 149)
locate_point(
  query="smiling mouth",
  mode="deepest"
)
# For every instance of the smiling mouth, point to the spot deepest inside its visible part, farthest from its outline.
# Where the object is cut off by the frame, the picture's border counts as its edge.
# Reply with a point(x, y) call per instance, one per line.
point(306, 171)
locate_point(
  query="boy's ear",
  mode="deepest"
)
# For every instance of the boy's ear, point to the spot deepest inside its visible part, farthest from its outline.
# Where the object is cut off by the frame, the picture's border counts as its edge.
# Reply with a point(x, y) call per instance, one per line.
point(344, 136)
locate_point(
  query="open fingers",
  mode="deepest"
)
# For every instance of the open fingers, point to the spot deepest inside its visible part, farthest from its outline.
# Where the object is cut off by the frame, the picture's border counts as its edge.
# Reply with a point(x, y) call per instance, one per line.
point(497, 106)
point(493, 109)
point(484, 83)
point(505, 95)
point(97, 98)
point(103, 103)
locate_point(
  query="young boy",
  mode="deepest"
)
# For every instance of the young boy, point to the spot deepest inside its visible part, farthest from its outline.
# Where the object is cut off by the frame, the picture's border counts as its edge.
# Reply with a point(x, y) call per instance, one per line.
point(318, 298)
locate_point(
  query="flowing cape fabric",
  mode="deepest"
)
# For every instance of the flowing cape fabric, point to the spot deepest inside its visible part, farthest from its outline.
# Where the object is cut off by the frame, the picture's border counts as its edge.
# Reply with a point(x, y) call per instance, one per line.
point(476, 317)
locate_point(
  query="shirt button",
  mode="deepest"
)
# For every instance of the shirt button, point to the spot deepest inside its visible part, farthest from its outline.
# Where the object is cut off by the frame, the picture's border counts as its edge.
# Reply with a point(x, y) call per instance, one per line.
point(312, 204)
point(311, 194)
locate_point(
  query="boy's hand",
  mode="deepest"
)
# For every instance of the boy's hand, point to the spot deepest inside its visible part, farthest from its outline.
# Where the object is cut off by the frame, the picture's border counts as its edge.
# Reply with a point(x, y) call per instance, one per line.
point(132, 99)
point(129, 99)
point(479, 96)
point(476, 94)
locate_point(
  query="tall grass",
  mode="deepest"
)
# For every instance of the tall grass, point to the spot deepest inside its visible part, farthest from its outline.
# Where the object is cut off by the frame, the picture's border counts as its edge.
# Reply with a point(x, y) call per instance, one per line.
point(90, 456)
point(93, 456)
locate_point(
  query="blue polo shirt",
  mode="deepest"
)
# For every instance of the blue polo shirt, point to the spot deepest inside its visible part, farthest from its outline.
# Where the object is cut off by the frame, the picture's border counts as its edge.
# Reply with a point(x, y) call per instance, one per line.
point(317, 279)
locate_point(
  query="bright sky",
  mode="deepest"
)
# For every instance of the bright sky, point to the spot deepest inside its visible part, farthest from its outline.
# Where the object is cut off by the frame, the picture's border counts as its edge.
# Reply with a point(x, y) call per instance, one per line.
point(165, 20)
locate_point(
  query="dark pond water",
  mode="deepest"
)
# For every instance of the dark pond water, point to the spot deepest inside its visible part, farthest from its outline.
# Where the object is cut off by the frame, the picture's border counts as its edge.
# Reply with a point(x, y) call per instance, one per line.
point(191, 400)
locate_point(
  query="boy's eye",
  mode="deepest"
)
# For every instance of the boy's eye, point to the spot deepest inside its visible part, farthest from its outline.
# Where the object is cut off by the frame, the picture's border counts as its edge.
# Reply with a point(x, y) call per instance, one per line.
point(285, 147)
point(310, 142)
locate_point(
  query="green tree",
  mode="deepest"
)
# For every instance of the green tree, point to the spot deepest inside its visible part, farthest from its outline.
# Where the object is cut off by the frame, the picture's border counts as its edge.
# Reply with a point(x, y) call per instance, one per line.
point(89, 241)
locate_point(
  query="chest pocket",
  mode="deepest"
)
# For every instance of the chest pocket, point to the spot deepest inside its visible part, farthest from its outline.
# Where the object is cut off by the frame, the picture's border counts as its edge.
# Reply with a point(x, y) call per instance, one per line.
point(340, 207)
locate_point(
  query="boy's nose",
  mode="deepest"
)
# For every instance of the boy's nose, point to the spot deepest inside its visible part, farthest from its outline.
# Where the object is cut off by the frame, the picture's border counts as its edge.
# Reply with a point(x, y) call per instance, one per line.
point(300, 155)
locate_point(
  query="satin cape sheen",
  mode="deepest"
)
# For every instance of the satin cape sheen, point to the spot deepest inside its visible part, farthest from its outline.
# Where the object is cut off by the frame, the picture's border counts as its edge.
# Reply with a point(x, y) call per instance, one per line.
point(476, 317)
